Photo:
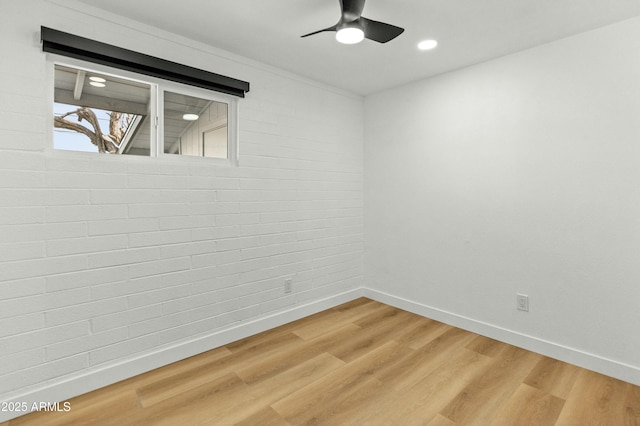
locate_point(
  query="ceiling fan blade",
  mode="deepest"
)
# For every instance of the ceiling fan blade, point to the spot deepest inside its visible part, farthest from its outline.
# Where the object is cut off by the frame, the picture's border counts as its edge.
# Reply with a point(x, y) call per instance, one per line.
point(379, 31)
point(351, 9)
point(334, 28)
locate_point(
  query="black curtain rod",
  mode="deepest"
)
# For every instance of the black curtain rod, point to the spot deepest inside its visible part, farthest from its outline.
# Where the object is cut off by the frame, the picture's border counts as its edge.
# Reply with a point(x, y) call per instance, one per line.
point(61, 43)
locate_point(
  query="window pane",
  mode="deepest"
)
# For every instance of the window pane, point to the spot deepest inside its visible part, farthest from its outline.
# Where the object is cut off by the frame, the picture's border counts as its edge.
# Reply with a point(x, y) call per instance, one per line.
point(100, 113)
point(195, 126)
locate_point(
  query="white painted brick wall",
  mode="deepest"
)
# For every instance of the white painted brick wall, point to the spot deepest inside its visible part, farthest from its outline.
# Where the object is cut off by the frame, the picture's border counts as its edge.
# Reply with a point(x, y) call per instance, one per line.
point(104, 259)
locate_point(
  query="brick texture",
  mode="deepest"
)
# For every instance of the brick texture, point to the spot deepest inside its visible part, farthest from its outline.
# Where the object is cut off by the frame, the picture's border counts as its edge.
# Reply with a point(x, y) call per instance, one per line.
point(104, 258)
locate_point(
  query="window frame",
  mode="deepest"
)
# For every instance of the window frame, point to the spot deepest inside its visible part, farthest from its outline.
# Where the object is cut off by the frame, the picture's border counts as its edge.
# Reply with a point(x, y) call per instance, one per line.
point(157, 87)
point(232, 119)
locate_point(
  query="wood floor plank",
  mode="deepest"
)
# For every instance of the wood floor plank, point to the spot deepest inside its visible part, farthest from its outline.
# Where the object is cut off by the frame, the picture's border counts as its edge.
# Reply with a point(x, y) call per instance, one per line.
point(486, 346)
point(359, 363)
point(290, 356)
point(385, 313)
point(348, 311)
point(420, 399)
point(309, 402)
point(356, 303)
point(353, 312)
point(332, 319)
point(205, 403)
point(483, 396)
point(422, 362)
point(299, 376)
point(262, 394)
point(553, 376)
point(369, 337)
point(201, 374)
point(260, 339)
point(440, 420)
point(265, 417)
point(263, 345)
point(178, 367)
point(420, 332)
point(596, 399)
point(340, 409)
point(529, 406)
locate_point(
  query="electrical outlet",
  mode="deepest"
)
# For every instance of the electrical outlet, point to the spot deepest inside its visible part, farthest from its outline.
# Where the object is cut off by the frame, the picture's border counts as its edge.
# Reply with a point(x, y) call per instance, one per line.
point(288, 285)
point(522, 302)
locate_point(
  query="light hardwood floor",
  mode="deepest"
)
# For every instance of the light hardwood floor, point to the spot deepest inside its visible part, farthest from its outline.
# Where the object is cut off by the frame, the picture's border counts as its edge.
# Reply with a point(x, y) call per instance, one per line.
point(361, 363)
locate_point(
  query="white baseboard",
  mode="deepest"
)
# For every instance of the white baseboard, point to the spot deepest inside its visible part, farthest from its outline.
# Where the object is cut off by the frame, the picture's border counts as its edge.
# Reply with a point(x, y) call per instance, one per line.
point(87, 381)
point(609, 367)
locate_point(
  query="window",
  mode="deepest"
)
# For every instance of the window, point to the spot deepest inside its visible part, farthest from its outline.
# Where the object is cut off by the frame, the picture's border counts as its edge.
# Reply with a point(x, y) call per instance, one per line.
point(100, 113)
point(195, 126)
point(106, 100)
point(101, 110)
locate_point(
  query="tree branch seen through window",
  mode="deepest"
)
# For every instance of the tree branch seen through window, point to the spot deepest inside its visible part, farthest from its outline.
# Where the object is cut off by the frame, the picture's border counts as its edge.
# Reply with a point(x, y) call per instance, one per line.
point(118, 125)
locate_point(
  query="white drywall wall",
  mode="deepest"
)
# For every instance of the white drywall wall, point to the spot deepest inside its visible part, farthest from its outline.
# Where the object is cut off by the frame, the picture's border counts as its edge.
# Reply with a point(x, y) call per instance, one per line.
point(520, 175)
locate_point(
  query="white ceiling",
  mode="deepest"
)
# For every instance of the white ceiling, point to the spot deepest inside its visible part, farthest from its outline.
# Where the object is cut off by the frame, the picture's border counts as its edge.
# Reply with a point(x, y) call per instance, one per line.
point(468, 32)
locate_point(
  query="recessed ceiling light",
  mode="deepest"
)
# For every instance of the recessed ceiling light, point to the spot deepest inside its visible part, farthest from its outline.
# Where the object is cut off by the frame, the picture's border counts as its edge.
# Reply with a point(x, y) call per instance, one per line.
point(427, 44)
point(190, 117)
point(98, 79)
point(96, 84)
point(350, 35)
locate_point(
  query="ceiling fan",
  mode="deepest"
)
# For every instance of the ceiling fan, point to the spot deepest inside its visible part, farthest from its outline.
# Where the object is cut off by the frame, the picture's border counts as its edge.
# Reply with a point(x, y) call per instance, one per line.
point(353, 27)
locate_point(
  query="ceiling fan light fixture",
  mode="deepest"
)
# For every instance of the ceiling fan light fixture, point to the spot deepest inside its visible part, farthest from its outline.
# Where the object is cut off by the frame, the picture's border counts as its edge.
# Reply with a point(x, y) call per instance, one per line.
point(350, 35)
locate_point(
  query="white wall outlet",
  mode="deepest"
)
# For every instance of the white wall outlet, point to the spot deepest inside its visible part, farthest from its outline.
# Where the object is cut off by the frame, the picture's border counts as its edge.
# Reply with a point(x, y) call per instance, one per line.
point(522, 302)
point(288, 285)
